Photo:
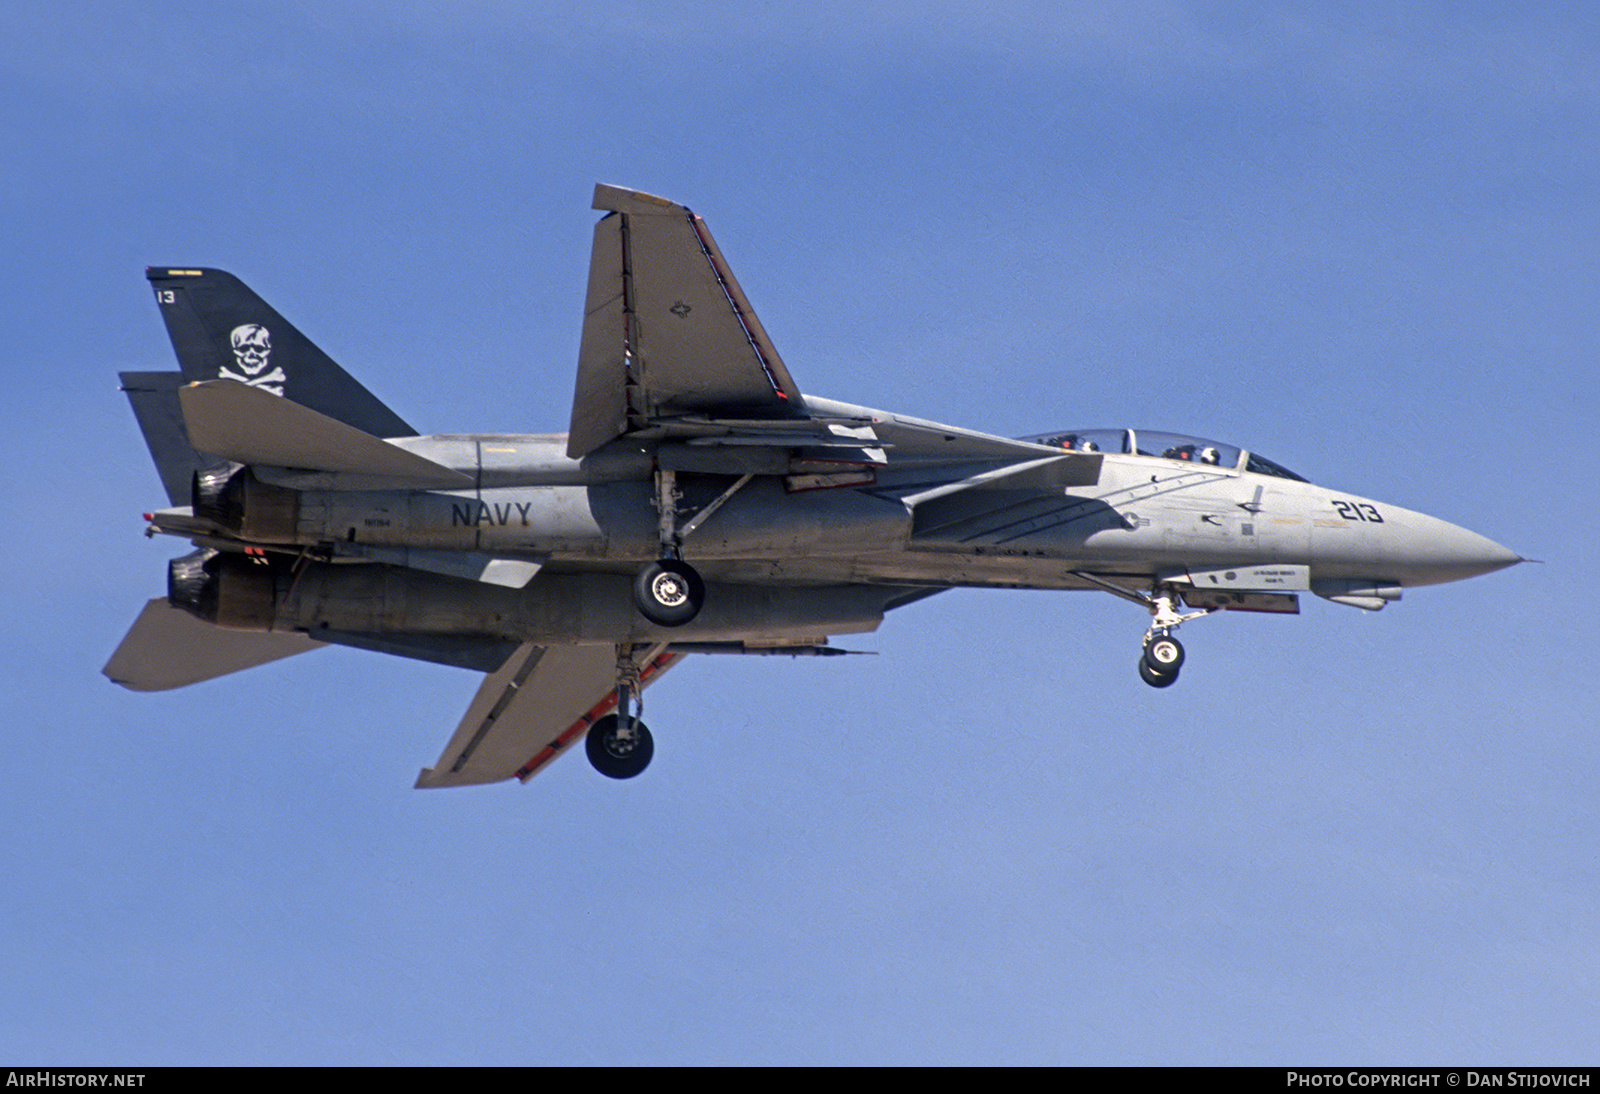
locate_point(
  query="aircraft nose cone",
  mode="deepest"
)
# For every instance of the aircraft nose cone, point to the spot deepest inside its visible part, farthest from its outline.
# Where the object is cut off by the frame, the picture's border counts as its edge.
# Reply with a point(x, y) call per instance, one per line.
point(1406, 547)
point(1452, 553)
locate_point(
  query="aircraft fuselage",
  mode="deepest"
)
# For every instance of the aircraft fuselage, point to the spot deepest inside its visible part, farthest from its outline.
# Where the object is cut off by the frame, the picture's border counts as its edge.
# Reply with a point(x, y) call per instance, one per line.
point(789, 558)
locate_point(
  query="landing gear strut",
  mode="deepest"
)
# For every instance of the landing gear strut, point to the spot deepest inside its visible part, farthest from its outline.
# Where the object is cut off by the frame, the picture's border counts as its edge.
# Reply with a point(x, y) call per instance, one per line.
point(1163, 654)
point(619, 745)
point(668, 592)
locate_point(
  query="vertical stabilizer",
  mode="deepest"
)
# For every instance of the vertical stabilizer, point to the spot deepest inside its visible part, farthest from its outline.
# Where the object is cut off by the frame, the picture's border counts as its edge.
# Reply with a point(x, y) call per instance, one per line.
point(154, 396)
point(223, 331)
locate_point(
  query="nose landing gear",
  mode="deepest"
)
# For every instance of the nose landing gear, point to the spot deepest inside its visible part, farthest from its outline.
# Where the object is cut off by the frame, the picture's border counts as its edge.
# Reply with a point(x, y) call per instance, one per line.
point(1161, 660)
point(1162, 656)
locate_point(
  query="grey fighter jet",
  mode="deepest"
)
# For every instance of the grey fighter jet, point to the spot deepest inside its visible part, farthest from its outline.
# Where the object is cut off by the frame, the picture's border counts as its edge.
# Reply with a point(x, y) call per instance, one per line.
point(699, 503)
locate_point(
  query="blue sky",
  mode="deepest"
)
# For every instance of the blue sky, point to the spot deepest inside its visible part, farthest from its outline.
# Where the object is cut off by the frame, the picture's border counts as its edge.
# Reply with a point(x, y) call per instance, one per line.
point(1359, 239)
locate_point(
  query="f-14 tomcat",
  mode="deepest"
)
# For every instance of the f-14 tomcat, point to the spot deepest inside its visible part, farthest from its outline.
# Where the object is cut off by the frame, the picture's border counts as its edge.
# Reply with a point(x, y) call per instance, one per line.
point(699, 503)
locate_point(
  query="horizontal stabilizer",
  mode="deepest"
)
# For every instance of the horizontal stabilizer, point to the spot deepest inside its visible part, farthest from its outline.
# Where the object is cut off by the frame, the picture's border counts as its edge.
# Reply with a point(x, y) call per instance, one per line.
point(236, 422)
point(169, 648)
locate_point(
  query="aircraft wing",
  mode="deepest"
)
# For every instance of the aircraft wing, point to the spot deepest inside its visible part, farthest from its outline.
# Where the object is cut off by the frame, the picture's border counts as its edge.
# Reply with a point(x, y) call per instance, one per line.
point(540, 702)
point(667, 330)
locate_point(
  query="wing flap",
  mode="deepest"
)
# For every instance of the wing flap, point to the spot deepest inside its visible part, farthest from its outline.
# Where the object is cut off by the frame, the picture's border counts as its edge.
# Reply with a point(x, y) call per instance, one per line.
point(541, 701)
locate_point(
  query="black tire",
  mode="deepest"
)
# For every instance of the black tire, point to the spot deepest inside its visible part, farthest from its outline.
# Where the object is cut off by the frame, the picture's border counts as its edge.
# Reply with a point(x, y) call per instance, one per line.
point(1153, 678)
point(614, 756)
point(1164, 655)
point(668, 593)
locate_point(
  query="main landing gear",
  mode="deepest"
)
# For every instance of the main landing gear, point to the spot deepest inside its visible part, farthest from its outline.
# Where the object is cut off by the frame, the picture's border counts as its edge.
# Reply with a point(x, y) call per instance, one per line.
point(669, 592)
point(619, 745)
point(619, 748)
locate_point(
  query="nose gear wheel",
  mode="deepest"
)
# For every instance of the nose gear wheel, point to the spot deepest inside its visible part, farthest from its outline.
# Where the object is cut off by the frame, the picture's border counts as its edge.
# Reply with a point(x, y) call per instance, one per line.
point(1164, 654)
point(1154, 678)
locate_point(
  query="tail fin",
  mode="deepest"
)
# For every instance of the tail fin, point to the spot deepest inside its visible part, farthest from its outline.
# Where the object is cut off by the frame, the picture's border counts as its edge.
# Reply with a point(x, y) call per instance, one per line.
point(222, 330)
point(154, 396)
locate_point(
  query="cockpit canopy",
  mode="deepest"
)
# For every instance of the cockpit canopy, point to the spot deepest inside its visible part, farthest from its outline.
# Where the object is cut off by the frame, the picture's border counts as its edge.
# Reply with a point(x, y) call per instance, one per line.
point(1166, 446)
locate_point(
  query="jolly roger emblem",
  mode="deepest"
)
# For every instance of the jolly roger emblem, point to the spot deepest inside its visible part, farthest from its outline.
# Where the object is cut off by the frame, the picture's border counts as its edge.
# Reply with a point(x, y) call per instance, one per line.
point(252, 349)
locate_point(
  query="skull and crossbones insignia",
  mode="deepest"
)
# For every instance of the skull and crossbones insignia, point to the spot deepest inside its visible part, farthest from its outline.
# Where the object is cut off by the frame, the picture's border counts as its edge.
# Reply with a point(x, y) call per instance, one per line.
point(252, 347)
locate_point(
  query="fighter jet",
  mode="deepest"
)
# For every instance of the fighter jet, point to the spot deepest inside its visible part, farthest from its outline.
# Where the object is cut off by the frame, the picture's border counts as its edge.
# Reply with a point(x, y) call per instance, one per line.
point(699, 503)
